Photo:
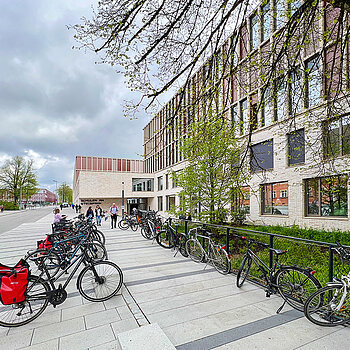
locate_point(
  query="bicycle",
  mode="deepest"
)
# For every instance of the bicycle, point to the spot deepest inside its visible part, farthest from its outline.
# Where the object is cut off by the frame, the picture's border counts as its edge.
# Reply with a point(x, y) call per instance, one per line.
point(97, 281)
point(62, 252)
point(150, 226)
point(128, 221)
point(216, 254)
point(330, 305)
point(295, 284)
point(169, 238)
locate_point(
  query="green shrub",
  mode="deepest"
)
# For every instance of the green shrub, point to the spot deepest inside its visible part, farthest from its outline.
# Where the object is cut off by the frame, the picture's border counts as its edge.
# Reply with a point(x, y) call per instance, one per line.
point(9, 205)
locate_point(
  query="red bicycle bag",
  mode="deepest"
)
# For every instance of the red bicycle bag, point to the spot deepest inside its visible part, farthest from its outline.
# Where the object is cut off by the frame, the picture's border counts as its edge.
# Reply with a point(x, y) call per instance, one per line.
point(13, 282)
point(45, 244)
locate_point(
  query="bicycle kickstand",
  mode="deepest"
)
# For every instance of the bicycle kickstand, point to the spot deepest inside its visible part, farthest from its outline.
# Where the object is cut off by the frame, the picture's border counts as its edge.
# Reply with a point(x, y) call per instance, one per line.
point(280, 308)
point(176, 251)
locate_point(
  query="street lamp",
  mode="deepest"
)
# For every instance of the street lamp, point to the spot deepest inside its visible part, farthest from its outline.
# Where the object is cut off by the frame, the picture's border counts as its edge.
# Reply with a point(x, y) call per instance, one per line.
point(122, 198)
point(56, 192)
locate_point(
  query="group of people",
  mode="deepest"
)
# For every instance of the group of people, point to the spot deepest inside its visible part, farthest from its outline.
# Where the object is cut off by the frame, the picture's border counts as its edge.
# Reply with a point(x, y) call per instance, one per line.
point(99, 213)
point(90, 213)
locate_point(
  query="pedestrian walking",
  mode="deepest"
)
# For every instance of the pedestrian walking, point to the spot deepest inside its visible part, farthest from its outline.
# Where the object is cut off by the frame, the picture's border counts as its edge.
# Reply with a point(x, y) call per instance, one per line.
point(114, 215)
point(98, 212)
point(89, 213)
point(106, 215)
point(2, 208)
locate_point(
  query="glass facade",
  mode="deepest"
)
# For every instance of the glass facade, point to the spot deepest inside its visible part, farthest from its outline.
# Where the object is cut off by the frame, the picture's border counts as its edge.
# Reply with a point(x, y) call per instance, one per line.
point(327, 196)
point(274, 199)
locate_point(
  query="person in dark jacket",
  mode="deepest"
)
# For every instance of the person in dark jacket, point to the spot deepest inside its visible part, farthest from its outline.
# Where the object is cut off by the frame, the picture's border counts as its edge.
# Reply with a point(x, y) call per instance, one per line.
point(98, 212)
point(89, 213)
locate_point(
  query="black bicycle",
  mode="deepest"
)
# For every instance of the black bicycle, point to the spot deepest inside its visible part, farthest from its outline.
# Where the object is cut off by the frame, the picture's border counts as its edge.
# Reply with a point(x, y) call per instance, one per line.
point(293, 283)
point(97, 281)
point(169, 237)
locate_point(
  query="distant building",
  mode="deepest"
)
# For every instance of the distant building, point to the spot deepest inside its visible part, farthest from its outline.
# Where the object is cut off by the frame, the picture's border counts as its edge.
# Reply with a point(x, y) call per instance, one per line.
point(43, 196)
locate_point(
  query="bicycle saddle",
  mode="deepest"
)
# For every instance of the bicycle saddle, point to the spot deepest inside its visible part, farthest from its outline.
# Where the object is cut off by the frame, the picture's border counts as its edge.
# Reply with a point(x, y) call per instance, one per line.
point(278, 251)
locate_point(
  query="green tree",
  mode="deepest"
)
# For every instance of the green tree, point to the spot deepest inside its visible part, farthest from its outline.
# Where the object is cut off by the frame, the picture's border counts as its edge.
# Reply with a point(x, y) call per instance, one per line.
point(65, 193)
point(18, 177)
point(213, 173)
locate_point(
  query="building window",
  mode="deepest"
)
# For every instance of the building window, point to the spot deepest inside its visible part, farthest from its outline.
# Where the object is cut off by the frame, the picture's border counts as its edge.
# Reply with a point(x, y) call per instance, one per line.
point(241, 200)
point(244, 117)
point(296, 147)
point(265, 21)
point(266, 108)
point(166, 181)
point(336, 137)
point(235, 119)
point(296, 91)
point(160, 183)
point(271, 202)
point(332, 71)
point(313, 82)
point(243, 49)
point(253, 120)
point(280, 99)
point(284, 194)
point(327, 196)
point(293, 6)
point(170, 202)
point(160, 203)
point(261, 157)
point(142, 185)
point(254, 32)
point(279, 14)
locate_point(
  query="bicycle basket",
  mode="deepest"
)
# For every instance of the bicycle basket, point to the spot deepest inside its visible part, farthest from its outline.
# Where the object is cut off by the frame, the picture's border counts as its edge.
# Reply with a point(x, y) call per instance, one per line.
point(13, 282)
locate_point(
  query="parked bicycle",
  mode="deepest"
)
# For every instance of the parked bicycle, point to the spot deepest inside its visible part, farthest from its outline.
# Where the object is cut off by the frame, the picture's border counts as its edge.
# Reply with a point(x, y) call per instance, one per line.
point(295, 284)
point(62, 252)
point(215, 254)
point(128, 221)
point(97, 281)
point(330, 305)
point(169, 238)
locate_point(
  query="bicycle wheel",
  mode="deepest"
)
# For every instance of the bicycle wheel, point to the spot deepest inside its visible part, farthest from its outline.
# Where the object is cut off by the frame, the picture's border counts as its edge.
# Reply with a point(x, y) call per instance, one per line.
point(243, 271)
point(194, 250)
point(40, 259)
point(36, 301)
point(100, 281)
point(134, 226)
point(295, 285)
point(325, 308)
point(221, 260)
point(146, 232)
point(123, 224)
point(182, 248)
point(98, 236)
point(96, 251)
point(164, 239)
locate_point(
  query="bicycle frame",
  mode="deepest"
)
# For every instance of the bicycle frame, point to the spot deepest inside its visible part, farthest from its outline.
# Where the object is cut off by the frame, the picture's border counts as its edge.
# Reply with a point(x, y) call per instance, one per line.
point(211, 247)
point(268, 272)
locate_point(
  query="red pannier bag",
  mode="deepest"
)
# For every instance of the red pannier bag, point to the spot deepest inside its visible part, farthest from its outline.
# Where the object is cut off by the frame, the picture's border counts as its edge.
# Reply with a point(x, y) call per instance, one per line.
point(13, 282)
point(45, 244)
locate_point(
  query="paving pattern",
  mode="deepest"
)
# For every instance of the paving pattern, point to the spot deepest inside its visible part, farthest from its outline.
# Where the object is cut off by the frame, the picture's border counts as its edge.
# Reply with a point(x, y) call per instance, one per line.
point(196, 308)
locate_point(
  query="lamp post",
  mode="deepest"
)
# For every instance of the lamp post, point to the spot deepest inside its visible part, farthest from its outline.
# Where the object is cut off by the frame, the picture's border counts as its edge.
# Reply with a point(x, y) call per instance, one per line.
point(56, 192)
point(122, 198)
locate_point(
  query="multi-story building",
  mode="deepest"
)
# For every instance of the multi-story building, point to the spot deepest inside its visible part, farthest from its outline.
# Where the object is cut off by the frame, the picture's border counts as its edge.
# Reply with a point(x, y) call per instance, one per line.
point(43, 196)
point(286, 92)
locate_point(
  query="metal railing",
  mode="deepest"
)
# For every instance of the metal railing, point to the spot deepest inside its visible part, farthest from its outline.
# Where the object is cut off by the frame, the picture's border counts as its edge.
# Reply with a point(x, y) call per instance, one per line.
point(315, 254)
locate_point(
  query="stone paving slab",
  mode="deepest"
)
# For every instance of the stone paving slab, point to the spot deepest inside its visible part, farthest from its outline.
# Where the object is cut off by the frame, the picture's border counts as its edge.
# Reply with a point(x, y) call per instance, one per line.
point(196, 308)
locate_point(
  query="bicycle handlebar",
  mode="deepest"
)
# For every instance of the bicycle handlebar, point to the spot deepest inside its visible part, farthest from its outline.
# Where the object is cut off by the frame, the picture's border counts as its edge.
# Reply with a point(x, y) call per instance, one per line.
point(342, 251)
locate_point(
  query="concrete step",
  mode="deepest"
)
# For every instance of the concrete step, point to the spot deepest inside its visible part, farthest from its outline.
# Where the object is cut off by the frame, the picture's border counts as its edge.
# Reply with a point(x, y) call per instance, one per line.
point(150, 337)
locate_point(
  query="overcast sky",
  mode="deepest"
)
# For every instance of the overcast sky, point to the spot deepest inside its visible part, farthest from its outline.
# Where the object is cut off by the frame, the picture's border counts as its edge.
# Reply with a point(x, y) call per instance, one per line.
point(55, 103)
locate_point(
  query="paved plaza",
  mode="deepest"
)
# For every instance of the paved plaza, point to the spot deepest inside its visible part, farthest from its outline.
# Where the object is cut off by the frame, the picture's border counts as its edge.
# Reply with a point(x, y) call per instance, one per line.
point(196, 308)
